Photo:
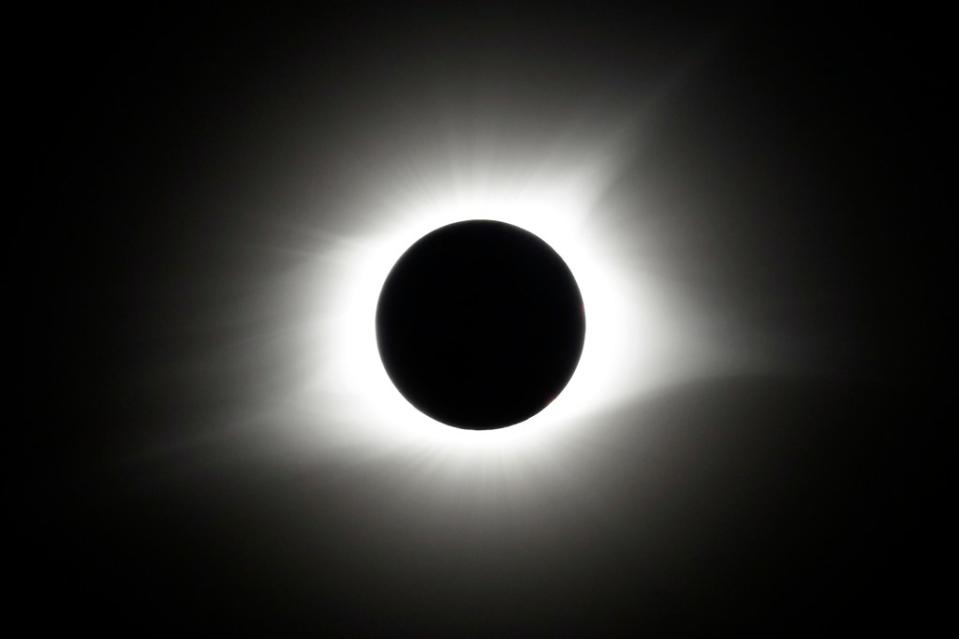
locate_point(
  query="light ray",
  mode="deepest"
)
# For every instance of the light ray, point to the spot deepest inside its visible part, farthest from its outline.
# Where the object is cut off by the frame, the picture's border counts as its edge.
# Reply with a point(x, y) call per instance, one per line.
point(633, 339)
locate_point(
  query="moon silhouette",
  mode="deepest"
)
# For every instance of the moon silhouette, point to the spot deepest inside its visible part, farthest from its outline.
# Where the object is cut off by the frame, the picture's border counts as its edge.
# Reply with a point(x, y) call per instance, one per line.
point(480, 324)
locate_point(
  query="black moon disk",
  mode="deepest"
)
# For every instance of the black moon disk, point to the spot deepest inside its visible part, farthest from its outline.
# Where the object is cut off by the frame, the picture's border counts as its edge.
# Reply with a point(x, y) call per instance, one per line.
point(480, 324)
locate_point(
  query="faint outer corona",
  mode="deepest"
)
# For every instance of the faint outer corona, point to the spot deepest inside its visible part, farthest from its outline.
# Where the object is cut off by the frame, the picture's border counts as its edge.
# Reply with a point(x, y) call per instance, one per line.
point(480, 324)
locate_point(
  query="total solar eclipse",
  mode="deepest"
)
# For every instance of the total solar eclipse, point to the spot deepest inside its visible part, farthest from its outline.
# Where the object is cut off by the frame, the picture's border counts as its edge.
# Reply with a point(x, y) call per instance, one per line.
point(480, 324)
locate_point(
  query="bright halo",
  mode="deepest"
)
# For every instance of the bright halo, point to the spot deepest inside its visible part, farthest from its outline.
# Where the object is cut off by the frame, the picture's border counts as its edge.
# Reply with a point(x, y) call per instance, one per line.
point(631, 341)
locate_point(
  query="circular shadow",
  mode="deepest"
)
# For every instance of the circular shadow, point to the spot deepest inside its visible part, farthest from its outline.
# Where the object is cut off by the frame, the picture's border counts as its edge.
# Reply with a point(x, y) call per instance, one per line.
point(480, 324)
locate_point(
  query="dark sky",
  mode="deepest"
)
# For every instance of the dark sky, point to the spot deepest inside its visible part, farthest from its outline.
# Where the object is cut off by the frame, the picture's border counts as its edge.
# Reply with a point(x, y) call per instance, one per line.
point(793, 163)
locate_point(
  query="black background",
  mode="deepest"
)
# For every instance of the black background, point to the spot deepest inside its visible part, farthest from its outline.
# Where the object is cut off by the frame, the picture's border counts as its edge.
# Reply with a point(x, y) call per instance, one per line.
point(780, 503)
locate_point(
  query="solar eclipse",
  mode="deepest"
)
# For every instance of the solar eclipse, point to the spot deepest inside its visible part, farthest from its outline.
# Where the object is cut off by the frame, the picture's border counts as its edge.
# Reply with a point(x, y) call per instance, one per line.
point(482, 320)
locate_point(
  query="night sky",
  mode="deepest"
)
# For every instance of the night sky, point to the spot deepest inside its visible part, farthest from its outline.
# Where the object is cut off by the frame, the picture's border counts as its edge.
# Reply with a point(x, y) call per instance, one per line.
point(775, 178)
